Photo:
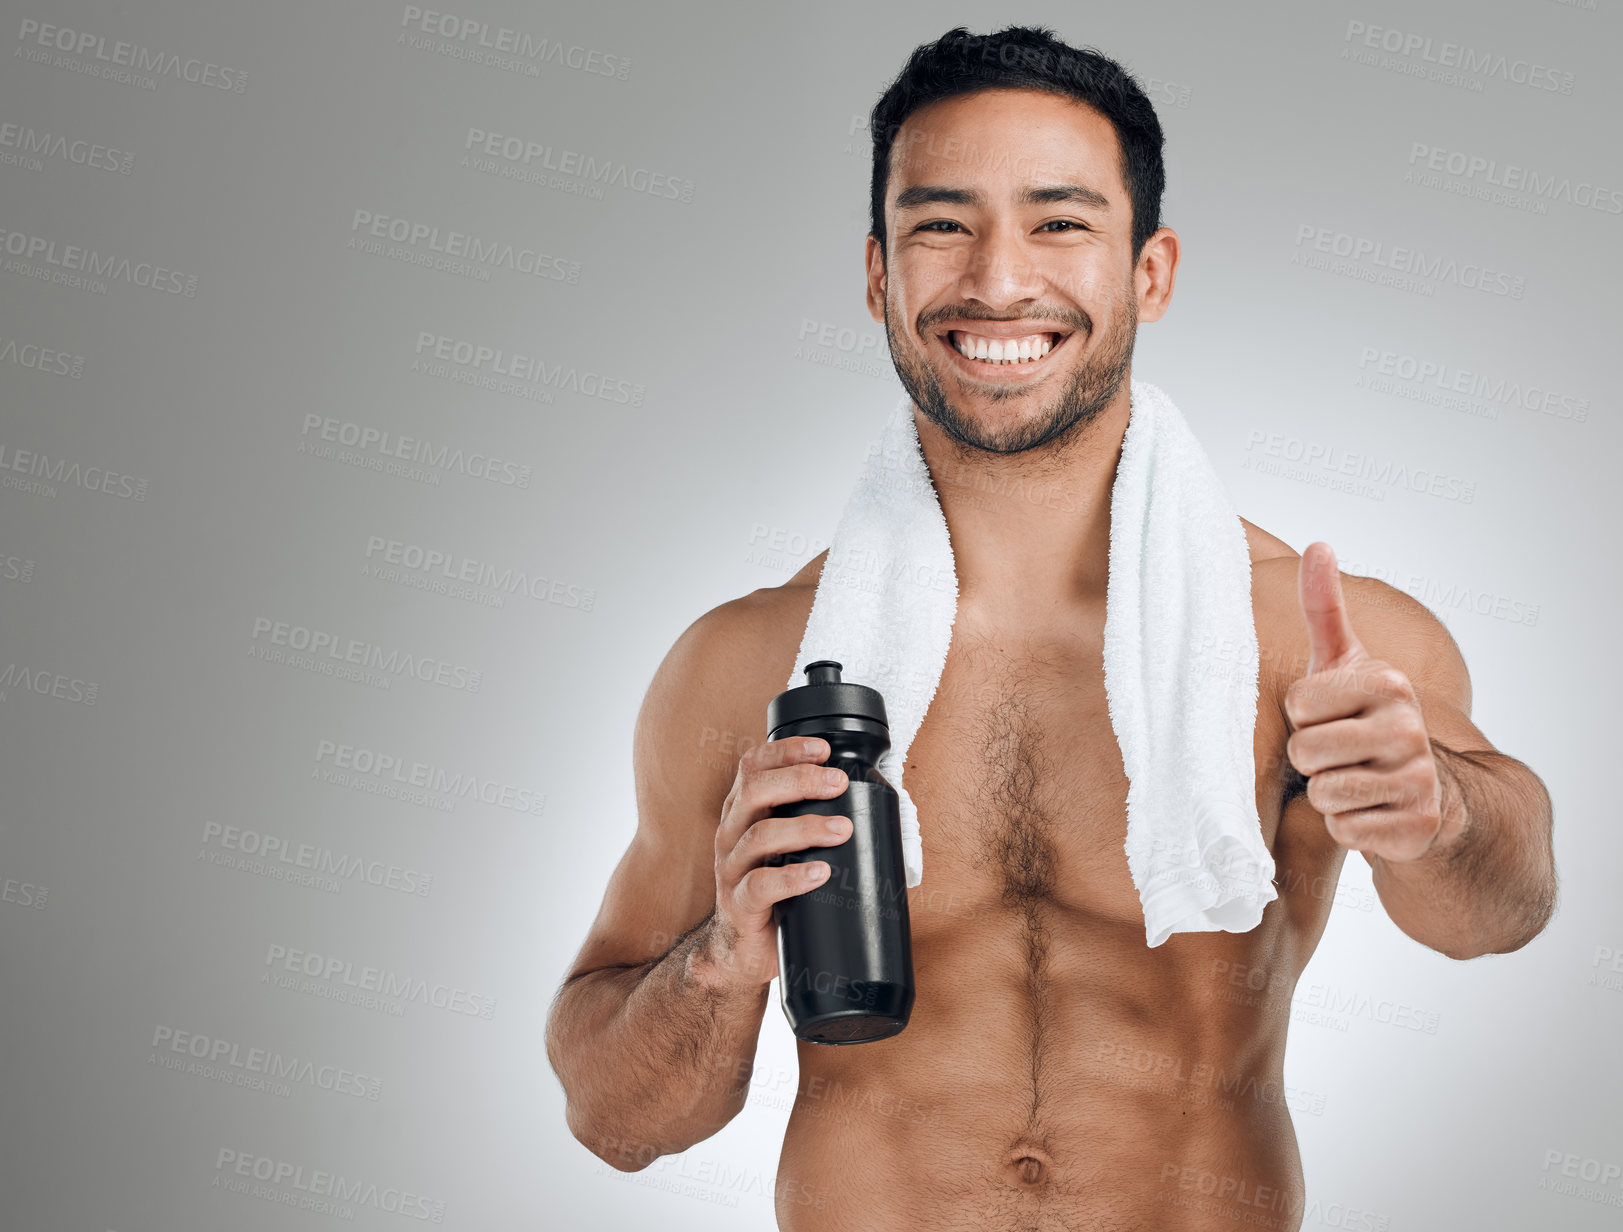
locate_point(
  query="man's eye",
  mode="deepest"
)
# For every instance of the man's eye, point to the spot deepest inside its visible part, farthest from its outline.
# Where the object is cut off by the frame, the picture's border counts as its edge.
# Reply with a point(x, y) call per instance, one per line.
point(939, 222)
point(1063, 222)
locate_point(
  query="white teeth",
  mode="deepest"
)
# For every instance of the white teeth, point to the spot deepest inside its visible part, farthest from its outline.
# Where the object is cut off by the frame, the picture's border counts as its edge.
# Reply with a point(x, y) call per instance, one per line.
point(1004, 350)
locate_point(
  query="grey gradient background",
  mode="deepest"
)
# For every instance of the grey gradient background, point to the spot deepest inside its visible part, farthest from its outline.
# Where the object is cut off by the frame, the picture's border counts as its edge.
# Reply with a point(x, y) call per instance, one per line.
point(728, 333)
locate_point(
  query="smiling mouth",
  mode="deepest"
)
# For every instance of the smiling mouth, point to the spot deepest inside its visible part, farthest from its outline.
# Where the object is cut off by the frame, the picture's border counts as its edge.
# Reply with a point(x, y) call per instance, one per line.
point(1024, 351)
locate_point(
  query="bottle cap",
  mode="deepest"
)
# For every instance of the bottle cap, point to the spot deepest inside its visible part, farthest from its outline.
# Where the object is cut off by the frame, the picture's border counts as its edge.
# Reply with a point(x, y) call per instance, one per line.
point(825, 695)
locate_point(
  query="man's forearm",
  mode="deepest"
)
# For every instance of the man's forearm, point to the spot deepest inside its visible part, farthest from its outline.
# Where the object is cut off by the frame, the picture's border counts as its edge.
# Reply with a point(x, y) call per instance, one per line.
point(650, 1055)
point(1487, 886)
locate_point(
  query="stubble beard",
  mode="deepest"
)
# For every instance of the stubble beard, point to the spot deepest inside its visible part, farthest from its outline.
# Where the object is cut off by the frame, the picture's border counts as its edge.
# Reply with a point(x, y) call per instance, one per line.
point(1091, 389)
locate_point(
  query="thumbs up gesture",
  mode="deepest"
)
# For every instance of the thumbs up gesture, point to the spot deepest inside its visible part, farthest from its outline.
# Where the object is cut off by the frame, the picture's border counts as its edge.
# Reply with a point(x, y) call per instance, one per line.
point(1357, 732)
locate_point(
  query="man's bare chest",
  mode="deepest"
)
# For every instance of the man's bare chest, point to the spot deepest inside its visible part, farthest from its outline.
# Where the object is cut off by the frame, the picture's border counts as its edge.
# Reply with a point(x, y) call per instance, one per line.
point(1018, 778)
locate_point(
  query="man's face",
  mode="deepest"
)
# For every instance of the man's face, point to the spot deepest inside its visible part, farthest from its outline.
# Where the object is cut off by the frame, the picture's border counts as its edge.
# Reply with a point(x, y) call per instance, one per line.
point(1008, 291)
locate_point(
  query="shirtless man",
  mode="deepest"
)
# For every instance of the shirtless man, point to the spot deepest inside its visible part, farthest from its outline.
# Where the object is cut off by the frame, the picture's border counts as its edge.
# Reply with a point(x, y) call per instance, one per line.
point(1057, 1072)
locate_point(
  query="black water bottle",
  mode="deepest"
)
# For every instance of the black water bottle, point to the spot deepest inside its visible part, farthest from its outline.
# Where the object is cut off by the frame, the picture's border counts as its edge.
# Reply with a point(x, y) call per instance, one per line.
point(845, 953)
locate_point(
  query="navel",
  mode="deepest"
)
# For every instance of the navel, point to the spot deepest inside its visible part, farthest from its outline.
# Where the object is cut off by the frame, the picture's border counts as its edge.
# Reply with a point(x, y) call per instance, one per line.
point(1027, 1164)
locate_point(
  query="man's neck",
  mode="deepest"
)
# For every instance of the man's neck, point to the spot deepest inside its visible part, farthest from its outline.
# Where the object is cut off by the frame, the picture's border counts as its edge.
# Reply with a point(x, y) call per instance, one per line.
point(1030, 531)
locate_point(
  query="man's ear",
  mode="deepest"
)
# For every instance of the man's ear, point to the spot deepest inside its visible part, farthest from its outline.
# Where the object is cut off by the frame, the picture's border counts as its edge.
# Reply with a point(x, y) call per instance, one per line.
point(875, 260)
point(1157, 271)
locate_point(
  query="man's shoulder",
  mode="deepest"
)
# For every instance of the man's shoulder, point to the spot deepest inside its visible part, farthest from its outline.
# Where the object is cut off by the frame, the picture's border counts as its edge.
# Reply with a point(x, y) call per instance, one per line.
point(742, 652)
point(1391, 623)
point(772, 614)
point(804, 583)
point(1275, 596)
point(1275, 567)
point(1266, 547)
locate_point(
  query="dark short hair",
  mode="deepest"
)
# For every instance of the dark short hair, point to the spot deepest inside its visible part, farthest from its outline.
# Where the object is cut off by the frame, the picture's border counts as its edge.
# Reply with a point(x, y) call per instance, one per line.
point(1026, 58)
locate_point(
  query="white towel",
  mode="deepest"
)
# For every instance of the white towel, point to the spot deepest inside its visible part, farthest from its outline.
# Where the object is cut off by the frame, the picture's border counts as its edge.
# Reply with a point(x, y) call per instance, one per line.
point(1180, 654)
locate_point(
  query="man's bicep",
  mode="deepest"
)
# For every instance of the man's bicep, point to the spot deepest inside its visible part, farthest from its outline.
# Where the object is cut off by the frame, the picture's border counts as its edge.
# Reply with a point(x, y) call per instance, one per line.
point(684, 761)
point(1402, 631)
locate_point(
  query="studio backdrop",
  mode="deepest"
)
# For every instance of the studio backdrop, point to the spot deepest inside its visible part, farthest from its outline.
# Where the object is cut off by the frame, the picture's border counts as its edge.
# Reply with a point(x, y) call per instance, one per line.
point(384, 388)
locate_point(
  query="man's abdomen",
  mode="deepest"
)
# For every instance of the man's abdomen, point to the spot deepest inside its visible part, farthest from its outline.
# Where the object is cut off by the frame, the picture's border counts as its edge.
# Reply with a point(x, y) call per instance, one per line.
point(1057, 1073)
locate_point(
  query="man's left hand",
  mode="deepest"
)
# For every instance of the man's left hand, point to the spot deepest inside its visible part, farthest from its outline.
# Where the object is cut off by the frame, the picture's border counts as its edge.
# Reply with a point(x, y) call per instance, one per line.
point(1358, 734)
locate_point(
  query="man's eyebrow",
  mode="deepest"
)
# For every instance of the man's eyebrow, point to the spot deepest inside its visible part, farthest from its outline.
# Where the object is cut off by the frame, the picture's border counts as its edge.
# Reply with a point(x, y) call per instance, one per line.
point(935, 194)
point(1080, 194)
point(1046, 194)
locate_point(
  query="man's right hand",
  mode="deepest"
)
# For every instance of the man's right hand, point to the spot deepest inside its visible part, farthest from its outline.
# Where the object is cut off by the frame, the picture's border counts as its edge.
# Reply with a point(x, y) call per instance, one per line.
point(743, 942)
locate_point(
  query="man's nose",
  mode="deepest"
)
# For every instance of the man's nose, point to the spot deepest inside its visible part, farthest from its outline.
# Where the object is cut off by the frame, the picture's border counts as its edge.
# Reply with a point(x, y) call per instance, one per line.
point(1000, 271)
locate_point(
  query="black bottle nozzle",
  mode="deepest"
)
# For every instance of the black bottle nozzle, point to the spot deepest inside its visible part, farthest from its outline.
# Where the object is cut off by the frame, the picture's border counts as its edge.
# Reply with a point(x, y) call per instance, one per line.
point(826, 695)
point(824, 671)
